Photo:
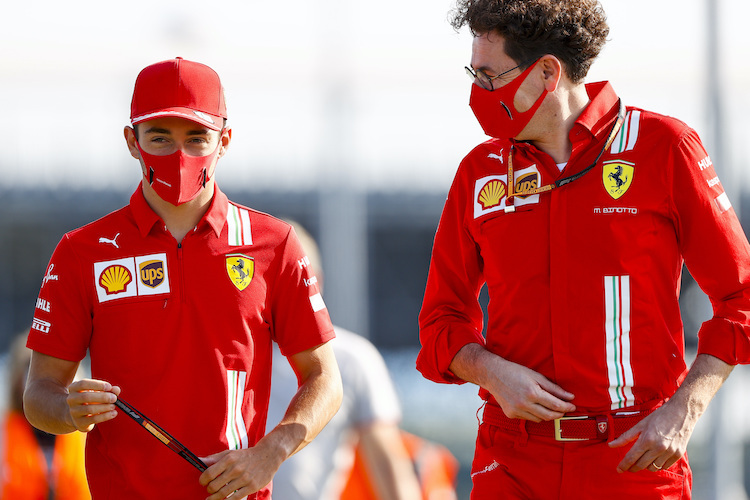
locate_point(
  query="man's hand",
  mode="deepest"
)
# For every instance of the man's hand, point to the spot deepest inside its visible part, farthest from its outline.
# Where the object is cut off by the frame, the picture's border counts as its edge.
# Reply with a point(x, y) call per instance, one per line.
point(238, 472)
point(520, 391)
point(526, 394)
point(91, 402)
point(661, 438)
point(56, 404)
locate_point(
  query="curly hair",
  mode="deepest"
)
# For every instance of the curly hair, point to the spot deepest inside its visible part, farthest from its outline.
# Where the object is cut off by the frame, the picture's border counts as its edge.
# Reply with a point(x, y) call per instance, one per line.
point(572, 30)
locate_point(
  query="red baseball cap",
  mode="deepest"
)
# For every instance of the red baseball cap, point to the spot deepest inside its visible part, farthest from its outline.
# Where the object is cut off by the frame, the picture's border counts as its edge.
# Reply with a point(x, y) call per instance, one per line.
point(180, 88)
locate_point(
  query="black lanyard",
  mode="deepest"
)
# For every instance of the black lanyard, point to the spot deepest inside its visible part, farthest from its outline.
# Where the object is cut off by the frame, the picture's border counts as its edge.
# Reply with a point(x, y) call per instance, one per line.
point(512, 193)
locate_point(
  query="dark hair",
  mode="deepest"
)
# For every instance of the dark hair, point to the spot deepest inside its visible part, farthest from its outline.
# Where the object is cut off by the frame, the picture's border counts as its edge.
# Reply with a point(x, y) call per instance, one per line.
point(574, 31)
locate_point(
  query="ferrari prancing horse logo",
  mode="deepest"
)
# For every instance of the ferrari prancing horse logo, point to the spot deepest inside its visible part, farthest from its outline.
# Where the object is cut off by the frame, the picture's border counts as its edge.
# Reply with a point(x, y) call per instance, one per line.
point(617, 176)
point(240, 269)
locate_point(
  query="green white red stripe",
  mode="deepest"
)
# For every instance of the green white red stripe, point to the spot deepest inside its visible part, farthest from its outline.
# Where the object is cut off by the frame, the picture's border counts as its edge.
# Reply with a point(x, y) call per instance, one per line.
point(617, 328)
point(238, 225)
point(236, 431)
point(628, 134)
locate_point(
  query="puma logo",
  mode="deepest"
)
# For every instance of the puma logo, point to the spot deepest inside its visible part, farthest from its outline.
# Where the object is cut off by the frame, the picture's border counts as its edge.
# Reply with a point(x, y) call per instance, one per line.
point(112, 242)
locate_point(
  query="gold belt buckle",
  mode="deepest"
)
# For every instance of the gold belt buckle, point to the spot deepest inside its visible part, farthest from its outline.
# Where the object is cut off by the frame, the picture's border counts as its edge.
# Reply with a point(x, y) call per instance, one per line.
point(558, 430)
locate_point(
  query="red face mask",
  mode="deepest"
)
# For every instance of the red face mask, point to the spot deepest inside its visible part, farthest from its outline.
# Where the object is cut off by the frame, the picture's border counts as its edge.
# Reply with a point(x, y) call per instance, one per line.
point(177, 178)
point(496, 112)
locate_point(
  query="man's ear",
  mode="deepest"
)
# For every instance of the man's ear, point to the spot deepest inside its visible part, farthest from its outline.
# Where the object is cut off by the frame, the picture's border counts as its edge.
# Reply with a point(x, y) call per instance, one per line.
point(130, 139)
point(552, 71)
point(224, 141)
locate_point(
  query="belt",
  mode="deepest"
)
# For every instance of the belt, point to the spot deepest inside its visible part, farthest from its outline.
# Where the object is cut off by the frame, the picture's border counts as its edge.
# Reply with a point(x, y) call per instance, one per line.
point(602, 427)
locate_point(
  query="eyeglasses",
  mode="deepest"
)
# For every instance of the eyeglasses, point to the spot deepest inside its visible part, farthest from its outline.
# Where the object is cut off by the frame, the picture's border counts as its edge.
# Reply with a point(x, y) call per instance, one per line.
point(484, 80)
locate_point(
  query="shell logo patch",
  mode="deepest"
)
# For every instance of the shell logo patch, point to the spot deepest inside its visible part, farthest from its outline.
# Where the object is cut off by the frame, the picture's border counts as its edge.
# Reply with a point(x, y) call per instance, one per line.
point(151, 273)
point(617, 176)
point(491, 194)
point(240, 269)
point(115, 279)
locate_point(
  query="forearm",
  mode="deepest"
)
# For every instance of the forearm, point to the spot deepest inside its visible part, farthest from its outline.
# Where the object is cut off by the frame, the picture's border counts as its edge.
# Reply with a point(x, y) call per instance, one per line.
point(473, 363)
point(317, 400)
point(46, 408)
point(706, 376)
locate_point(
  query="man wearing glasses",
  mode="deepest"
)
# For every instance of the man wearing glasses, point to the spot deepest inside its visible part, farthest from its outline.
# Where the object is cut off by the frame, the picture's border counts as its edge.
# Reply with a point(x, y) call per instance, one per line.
point(578, 215)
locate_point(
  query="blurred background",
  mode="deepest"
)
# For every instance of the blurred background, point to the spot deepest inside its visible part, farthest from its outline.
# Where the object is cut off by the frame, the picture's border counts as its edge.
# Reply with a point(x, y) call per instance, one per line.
point(350, 117)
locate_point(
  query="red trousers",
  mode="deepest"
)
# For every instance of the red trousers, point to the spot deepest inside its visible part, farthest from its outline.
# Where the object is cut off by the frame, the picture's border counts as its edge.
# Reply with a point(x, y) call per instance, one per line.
point(510, 465)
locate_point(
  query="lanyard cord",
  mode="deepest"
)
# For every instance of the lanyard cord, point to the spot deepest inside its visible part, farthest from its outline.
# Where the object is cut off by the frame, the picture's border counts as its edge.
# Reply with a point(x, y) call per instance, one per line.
point(512, 193)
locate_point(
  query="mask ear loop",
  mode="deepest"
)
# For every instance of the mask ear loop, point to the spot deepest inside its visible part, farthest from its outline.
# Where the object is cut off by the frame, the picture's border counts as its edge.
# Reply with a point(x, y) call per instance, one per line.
point(218, 147)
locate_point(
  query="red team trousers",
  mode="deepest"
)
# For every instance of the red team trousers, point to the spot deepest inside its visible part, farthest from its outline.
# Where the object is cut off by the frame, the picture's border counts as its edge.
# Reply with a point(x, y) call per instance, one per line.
point(516, 465)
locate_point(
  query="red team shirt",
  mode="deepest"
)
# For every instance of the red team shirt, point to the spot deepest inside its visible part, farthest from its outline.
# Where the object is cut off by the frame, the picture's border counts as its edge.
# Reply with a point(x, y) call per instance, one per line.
point(584, 280)
point(184, 329)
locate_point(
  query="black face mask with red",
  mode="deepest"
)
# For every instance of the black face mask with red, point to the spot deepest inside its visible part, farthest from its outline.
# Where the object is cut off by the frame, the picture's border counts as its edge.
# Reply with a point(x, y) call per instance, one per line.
point(495, 110)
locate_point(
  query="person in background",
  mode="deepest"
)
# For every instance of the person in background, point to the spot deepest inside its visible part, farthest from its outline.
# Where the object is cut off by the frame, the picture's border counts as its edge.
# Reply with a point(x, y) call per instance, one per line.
point(578, 216)
point(35, 465)
point(368, 421)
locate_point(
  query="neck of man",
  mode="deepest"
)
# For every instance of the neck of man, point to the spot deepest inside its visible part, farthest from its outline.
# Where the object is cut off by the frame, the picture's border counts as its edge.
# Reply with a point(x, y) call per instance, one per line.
point(179, 219)
point(564, 109)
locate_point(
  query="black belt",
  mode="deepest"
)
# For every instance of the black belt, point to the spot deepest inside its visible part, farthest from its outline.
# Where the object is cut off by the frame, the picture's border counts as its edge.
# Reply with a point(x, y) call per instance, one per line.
point(570, 427)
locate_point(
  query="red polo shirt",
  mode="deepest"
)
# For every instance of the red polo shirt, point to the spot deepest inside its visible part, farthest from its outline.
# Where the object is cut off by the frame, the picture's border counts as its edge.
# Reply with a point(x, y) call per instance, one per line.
point(184, 329)
point(584, 280)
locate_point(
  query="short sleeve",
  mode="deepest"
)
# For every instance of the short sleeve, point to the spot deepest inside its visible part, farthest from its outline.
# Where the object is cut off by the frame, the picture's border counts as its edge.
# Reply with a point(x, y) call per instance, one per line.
point(62, 322)
point(299, 314)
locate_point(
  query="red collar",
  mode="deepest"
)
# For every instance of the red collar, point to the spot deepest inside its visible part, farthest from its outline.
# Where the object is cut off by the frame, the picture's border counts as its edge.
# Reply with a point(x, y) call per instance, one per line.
point(597, 117)
point(145, 217)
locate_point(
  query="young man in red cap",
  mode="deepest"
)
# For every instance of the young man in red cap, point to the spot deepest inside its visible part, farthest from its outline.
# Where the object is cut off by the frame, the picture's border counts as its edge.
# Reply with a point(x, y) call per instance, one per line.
point(178, 297)
point(578, 215)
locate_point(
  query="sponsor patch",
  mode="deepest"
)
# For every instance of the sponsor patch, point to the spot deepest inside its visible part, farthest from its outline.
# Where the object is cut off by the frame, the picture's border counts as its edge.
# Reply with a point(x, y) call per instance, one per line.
point(151, 273)
point(42, 305)
point(115, 279)
point(494, 465)
point(722, 202)
point(705, 163)
point(131, 277)
point(497, 157)
point(39, 325)
point(490, 192)
point(526, 182)
point(617, 176)
point(316, 301)
point(240, 269)
point(49, 276)
point(112, 241)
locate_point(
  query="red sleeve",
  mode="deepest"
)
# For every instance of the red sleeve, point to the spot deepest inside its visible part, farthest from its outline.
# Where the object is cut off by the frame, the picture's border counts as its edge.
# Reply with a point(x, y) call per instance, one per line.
point(300, 317)
point(62, 321)
point(715, 249)
point(451, 316)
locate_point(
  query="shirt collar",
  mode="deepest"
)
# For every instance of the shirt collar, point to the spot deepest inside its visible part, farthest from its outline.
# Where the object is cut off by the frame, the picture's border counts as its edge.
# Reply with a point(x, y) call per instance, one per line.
point(145, 217)
point(597, 117)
